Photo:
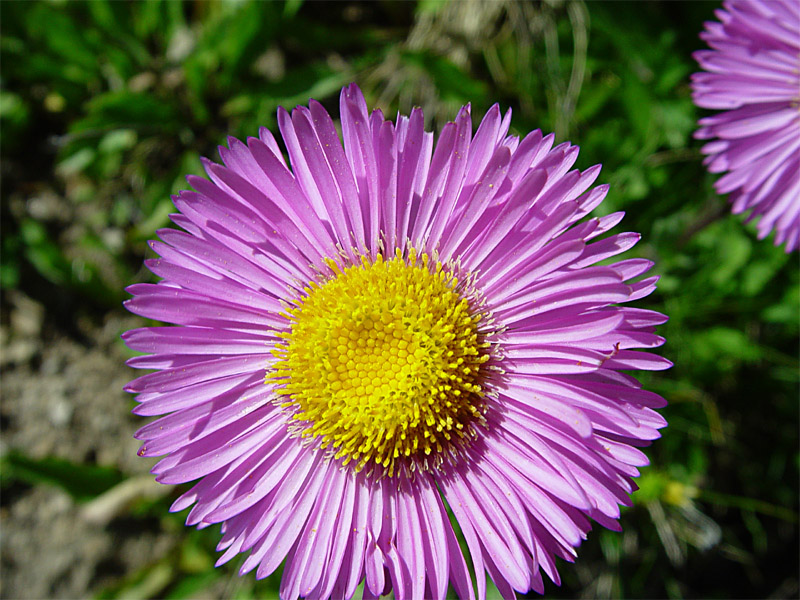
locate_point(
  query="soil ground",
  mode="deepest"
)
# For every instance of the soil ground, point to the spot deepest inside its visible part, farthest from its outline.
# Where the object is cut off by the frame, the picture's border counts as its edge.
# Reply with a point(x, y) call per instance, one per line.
point(63, 398)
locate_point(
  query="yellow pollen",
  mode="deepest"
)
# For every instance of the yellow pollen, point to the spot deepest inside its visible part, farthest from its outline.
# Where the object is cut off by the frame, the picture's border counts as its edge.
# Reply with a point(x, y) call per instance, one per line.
point(384, 362)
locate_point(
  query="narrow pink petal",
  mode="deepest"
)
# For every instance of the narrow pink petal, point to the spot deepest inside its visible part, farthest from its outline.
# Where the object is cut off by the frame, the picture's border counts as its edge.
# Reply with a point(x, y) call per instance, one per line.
point(468, 529)
point(453, 183)
point(341, 532)
point(386, 146)
point(434, 186)
point(156, 403)
point(411, 172)
point(479, 198)
point(332, 147)
point(211, 457)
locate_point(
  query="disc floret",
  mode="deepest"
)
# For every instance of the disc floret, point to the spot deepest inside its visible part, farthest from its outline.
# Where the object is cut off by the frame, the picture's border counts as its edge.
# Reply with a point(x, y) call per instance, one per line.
point(385, 363)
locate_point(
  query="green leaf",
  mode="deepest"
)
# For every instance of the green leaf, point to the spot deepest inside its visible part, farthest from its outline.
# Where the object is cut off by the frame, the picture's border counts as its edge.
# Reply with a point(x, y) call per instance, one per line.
point(786, 311)
point(128, 110)
point(14, 119)
point(158, 218)
point(192, 586)
point(220, 58)
point(117, 141)
point(731, 248)
point(724, 347)
point(651, 484)
point(149, 582)
point(43, 254)
point(82, 482)
point(12, 108)
point(103, 15)
point(451, 81)
point(595, 97)
point(291, 7)
point(65, 39)
point(430, 6)
point(75, 163)
point(761, 271)
point(9, 261)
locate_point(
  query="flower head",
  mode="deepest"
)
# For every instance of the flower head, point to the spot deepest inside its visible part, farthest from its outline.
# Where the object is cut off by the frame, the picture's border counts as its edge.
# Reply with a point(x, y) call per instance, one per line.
point(752, 73)
point(388, 328)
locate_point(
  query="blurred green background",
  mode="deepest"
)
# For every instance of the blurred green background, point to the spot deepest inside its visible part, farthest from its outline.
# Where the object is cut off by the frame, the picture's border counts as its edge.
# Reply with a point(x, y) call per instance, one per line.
point(105, 106)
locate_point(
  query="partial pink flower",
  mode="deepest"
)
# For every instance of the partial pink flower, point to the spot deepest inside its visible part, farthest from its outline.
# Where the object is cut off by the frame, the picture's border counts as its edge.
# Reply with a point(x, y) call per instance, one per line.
point(387, 328)
point(752, 73)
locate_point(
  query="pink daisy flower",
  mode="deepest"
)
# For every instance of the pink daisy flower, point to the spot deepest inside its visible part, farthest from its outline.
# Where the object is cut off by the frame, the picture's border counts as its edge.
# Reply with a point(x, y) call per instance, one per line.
point(752, 73)
point(389, 328)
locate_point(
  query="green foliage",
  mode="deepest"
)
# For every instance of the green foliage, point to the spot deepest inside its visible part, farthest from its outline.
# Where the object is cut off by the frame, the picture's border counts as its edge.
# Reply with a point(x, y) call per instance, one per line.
point(451, 82)
point(82, 482)
point(129, 96)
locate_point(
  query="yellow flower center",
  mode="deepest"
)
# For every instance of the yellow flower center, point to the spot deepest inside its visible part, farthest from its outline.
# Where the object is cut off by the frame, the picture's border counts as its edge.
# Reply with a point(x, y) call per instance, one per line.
point(384, 362)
